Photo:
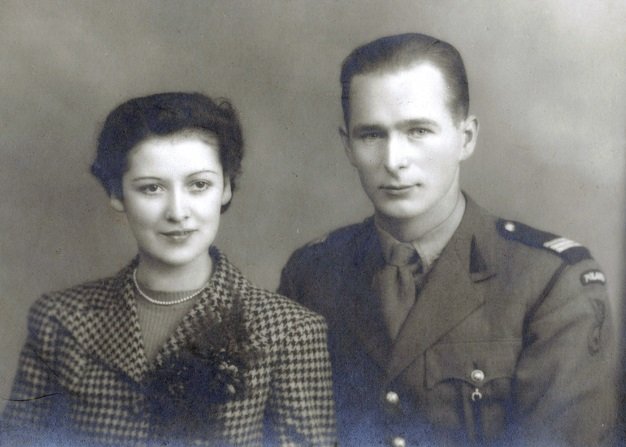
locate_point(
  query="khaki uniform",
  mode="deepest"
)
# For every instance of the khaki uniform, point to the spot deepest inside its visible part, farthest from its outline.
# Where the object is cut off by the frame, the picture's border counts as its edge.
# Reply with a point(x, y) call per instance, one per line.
point(510, 340)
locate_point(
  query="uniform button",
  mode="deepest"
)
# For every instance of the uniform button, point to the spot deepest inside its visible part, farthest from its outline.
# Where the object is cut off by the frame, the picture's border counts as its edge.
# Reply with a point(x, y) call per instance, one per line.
point(398, 441)
point(477, 376)
point(509, 226)
point(392, 398)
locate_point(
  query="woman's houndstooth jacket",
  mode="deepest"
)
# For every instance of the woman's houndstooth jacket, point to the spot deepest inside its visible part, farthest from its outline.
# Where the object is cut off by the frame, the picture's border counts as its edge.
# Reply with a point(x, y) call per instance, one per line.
point(82, 370)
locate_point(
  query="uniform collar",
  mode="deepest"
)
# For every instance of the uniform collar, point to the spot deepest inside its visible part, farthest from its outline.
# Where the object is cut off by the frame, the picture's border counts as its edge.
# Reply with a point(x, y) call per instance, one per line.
point(430, 245)
point(474, 241)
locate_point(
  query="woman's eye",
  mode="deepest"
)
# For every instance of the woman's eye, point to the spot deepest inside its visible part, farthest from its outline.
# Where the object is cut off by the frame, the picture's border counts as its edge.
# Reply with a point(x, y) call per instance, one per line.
point(152, 188)
point(199, 185)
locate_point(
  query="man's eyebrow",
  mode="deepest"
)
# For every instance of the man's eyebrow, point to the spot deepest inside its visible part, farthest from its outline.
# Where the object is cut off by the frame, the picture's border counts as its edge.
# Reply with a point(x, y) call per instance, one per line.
point(418, 122)
point(361, 128)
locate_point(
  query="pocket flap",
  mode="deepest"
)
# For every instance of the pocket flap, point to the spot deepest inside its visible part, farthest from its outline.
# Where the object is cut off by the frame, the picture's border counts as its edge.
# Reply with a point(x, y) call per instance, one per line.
point(476, 363)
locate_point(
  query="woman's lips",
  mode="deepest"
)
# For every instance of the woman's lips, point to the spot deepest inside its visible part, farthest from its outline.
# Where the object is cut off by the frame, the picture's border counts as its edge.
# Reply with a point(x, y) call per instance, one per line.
point(178, 235)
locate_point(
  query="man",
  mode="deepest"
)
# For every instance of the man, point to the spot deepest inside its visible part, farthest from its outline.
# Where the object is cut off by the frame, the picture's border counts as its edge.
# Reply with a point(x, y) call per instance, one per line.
point(448, 325)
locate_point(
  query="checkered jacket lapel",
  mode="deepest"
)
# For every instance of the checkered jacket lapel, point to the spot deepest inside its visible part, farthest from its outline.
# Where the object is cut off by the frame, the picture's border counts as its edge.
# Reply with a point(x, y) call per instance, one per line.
point(213, 303)
point(109, 327)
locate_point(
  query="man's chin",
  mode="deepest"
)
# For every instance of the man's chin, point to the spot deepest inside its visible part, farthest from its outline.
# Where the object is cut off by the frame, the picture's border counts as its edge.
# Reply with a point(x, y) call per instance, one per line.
point(399, 213)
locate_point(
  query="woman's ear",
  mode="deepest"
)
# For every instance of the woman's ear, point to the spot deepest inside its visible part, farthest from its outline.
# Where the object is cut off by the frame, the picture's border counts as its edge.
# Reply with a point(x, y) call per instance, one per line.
point(116, 203)
point(227, 193)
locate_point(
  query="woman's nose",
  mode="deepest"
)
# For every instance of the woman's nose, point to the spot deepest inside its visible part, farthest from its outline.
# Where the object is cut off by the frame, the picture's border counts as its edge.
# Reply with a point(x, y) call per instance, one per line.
point(177, 207)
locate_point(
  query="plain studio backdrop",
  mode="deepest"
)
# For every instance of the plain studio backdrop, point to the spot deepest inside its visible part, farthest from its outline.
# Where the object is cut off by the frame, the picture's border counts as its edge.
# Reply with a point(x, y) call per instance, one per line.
point(546, 81)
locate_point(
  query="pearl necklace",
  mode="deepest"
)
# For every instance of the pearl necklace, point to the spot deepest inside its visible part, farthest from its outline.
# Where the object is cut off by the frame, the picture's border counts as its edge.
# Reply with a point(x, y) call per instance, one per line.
point(163, 303)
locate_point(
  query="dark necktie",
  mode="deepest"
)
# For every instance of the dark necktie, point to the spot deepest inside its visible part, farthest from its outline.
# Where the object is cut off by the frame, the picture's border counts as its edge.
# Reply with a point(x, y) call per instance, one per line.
point(395, 284)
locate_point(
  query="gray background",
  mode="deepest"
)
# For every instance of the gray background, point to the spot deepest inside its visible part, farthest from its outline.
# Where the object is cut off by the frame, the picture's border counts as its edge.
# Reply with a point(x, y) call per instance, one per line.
point(547, 82)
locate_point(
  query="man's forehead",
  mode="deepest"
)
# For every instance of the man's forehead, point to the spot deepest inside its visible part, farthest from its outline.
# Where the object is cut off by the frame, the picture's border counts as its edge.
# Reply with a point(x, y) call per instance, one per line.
point(423, 83)
point(420, 86)
point(416, 71)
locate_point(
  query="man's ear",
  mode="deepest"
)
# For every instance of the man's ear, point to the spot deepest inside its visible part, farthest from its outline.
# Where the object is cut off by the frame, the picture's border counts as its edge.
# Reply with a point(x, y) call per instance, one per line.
point(116, 203)
point(470, 128)
point(345, 139)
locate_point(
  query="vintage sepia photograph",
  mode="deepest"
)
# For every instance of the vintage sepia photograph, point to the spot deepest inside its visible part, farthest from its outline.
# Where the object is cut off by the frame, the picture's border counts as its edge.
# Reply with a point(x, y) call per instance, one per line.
point(312, 223)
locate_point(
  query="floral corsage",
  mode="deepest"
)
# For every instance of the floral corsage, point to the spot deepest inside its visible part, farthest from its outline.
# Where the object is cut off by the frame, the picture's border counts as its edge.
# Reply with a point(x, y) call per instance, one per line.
point(208, 371)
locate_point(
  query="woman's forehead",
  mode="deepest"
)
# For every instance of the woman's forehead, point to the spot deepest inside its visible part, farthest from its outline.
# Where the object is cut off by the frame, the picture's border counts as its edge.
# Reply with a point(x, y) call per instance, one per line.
point(203, 135)
point(174, 155)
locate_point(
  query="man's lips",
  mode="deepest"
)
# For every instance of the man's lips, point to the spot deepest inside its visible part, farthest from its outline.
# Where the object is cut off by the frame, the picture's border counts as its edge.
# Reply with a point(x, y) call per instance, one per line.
point(399, 188)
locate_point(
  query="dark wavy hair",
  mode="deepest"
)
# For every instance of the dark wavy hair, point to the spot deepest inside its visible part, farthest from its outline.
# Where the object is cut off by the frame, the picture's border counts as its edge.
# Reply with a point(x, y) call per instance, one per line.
point(164, 114)
point(402, 51)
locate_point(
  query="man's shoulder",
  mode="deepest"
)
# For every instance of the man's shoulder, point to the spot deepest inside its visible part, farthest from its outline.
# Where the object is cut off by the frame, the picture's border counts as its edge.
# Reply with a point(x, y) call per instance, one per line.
point(328, 258)
point(341, 241)
point(515, 238)
point(520, 236)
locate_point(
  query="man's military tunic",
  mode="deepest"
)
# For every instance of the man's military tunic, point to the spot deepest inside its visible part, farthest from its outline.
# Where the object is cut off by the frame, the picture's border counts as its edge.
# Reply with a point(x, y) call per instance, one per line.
point(510, 339)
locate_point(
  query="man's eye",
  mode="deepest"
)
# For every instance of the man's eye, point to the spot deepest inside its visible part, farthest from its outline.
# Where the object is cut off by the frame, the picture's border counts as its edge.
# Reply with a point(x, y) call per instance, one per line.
point(418, 132)
point(370, 137)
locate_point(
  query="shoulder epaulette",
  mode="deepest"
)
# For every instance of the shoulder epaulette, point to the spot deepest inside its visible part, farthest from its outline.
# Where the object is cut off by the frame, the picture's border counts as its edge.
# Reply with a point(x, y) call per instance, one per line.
point(319, 240)
point(570, 251)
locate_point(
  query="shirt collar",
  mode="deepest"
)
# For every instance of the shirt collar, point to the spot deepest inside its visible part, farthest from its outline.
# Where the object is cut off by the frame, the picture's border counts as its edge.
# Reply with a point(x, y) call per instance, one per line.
point(430, 245)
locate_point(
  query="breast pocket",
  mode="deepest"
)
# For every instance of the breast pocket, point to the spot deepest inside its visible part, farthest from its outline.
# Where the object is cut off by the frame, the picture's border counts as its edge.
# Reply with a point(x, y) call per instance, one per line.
point(469, 385)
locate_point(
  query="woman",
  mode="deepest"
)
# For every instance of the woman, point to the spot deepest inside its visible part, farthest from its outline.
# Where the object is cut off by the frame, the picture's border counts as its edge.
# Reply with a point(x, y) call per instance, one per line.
point(178, 348)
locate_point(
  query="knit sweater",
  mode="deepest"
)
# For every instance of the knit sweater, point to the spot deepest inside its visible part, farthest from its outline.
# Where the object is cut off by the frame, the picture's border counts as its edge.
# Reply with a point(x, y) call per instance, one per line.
point(158, 322)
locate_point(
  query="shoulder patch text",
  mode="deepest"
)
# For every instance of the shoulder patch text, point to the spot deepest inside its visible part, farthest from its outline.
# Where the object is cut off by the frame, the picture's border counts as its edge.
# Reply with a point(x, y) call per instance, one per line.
point(593, 276)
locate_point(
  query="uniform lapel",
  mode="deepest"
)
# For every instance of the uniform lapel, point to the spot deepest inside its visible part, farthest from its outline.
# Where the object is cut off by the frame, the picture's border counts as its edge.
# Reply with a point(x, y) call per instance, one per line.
point(449, 295)
point(363, 315)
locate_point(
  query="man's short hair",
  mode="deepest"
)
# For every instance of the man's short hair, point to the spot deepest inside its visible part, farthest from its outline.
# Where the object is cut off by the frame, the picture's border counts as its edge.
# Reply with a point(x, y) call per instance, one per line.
point(403, 51)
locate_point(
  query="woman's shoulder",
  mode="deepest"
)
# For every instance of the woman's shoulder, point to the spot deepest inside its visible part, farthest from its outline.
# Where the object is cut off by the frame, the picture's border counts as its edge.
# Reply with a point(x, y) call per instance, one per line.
point(266, 302)
point(262, 307)
point(92, 293)
point(279, 316)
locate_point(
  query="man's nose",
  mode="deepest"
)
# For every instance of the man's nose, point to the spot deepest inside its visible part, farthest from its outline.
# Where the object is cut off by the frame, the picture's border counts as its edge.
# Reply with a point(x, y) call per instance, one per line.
point(397, 153)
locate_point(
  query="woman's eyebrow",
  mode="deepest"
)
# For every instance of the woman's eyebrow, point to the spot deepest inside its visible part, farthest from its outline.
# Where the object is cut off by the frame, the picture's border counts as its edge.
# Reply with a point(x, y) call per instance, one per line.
point(203, 171)
point(145, 177)
point(191, 174)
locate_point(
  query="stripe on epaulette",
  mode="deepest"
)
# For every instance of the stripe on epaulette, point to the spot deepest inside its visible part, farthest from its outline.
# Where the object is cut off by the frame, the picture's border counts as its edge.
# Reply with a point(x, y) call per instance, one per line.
point(560, 244)
point(570, 251)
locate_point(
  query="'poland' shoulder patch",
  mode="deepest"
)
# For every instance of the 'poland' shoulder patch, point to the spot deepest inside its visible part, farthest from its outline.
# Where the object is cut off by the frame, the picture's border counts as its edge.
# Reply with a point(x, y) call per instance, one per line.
point(592, 277)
